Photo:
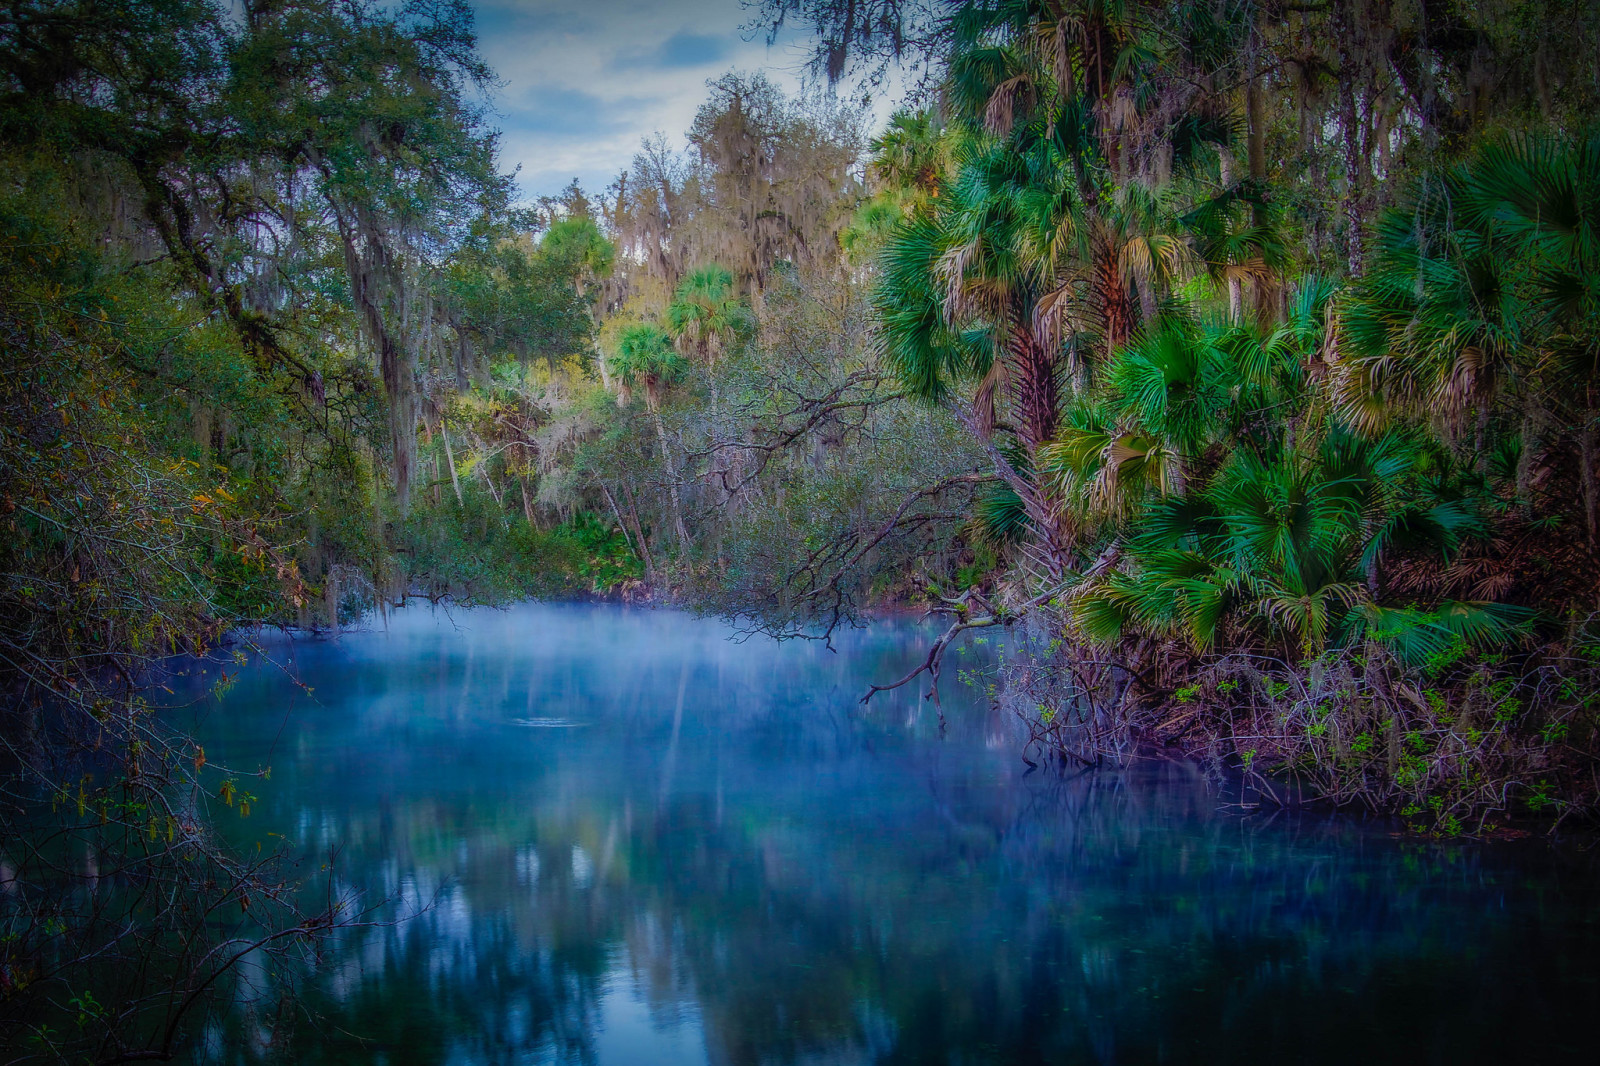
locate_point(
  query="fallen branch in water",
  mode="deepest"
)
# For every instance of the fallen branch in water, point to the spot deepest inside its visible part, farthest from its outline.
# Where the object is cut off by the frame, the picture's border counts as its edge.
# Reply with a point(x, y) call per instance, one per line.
point(935, 659)
point(960, 607)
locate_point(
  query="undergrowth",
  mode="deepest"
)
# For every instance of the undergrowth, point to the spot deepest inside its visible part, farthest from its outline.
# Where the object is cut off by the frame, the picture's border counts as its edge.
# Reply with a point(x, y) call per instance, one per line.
point(1458, 743)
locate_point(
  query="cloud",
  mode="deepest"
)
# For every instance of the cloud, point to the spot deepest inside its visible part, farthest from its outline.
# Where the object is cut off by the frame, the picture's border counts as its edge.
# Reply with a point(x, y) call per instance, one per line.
point(585, 81)
point(559, 111)
point(692, 50)
point(496, 18)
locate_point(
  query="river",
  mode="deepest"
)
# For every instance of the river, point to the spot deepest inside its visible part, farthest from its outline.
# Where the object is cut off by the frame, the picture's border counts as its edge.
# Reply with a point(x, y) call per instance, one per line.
point(628, 839)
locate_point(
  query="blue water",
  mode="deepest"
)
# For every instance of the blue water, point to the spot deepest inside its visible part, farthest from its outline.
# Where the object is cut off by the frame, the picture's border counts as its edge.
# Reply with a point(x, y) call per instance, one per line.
point(626, 839)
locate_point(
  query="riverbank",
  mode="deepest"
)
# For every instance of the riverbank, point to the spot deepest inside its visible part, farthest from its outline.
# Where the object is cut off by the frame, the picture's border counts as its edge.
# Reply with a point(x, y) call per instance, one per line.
point(1461, 744)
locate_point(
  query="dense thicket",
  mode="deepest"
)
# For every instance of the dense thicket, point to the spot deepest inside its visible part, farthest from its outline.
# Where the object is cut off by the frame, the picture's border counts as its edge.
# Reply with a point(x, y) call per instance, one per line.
point(1278, 326)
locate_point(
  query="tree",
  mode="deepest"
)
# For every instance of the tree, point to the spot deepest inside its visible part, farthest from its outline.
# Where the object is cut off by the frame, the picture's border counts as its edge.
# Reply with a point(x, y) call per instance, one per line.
point(763, 183)
point(1482, 291)
point(706, 314)
point(865, 37)
point(242, 246)
point(645, 361)
point(1045, 247)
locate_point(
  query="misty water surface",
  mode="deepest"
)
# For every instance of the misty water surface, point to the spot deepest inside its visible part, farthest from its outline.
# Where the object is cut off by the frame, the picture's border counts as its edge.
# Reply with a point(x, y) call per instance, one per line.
point(635, 842)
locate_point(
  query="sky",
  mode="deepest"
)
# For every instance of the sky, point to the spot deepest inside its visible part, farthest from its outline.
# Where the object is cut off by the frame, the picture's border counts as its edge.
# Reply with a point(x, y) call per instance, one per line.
point(586, 80)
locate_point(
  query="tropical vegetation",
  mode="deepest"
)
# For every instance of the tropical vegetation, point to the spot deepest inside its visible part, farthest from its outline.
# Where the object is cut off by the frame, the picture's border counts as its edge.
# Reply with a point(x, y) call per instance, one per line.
point(1239, 358)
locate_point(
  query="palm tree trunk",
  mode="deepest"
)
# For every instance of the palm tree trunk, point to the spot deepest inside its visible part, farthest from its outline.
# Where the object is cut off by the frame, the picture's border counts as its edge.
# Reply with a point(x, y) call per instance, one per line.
point(1148, 307)
point(672, 480)
point(1033, 387)
point(1112, 294)
point(1045, 518)
point(1480, 440)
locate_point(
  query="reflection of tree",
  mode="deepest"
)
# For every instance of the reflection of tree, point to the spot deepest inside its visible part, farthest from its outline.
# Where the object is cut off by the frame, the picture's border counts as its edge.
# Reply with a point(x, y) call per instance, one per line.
point(851, 897)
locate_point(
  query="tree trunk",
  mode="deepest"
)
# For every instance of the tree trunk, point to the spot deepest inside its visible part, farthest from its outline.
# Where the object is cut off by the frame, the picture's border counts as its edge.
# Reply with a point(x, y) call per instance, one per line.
point(202, 431)
point(1255, 113)
point(1480, 440)
point(1525, 454)
point(450, 457)
point(330, 596)
point(494, 491)
point(672, 480)
point(1046, 519)
point(1265, 290)
point(1149, 307)
point(643, 551)
point(1112, 294)
point(638, 528)
point(1033, 387)
point(1344, 29)
point(1234, 282)
point(369, 269)
point(463, 361)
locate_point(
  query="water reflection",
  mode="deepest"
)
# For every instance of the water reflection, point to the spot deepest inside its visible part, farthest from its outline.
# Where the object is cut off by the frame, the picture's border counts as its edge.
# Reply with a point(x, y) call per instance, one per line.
point(632, 841)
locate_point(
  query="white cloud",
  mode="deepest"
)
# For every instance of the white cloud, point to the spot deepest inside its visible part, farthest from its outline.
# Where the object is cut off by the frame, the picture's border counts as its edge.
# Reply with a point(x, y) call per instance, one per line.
point(586, 80)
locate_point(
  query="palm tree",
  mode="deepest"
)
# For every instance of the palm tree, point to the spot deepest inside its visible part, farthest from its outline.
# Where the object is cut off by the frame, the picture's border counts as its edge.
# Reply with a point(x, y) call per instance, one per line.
point(1242, 505)
point(645, 361)
point(706, 313)
point(1541, 195)
point(1174, 401)
point(1486, 282)
point(1236, 237)
point(1042, 252)
point(971, 290)
point(910, 155)
point(1436, 325)
point(1282, 542)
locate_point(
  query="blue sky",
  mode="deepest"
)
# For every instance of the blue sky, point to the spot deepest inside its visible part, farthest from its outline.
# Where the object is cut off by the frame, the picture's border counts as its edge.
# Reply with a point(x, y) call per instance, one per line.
point(586, 80)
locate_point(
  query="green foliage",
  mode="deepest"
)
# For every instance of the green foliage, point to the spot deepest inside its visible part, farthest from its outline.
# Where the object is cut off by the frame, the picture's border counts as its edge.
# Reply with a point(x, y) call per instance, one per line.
point(593, 552)
point(472, 554)
point(645, 360)
point(1231, 524)
point(575, 244)
point(706, 314)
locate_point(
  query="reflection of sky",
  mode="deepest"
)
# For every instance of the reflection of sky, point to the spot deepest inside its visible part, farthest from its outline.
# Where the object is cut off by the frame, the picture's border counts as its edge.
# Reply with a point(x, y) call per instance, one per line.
point(722, 858)
point(629, 1033)
point(586, 80)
